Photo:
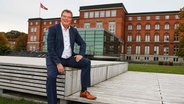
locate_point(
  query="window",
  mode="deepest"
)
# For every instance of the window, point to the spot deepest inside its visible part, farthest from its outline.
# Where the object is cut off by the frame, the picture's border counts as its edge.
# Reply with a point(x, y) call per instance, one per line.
point(112, 27)
point(102, 13)
point(137, 57)
point(111, 38)
point(176, 49)
point(129, 27)
point(165, 58)
point(36, 23)
point(155, 58)
point(147, 26)
point(32, 47)
point(99, 25)
point(45, 30)
point(176, 37)
point(147, 50)
point(56, 22)
point(138, 38)
point(130, 18)
point(156, 38)
point(96, 14)
point(86, 15)
point(138, 50)
point(129, 39)
point(45, 23)
point(157, 26)
point(175, 59)
point(167, 17)
point(91, 14)
point(34, 38)
point(113, 13)
point(166, 50)
point(50, 22)
point(157, 17)
point(86, 25)
point(31, 38)
point(156, 50)
point(176, 26)
point(129, 49)
point(108, 13)
point(147, 17)
point(74, 21)
point(33, 29)
point(146, 58)
point(138, 18)
point(176, 17)
point(138, 27)
point(166, 26)
point(166, 37)
point(31, 23)
point(147, 38)
point(128, 57)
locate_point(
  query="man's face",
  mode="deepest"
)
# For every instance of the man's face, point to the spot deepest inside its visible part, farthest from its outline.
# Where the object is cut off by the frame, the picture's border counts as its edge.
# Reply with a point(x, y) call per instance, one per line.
point(66, 19)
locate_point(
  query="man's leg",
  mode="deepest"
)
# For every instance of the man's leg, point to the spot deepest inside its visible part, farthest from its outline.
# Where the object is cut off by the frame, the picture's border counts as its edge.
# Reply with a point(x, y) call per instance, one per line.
point(51, 84)
point(85, 65)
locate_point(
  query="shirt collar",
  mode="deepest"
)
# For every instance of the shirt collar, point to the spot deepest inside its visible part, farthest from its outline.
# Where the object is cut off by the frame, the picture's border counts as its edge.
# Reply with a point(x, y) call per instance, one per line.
point(62, 27)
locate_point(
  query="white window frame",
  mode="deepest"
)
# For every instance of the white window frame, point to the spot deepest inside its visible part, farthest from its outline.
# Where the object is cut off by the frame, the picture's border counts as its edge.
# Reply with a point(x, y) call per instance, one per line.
point(112, 27)
point(102, 13)
point(147, 38)
point(107, 13)
point(148, 26)
point(138, 27)
point(138, 50)
point(113, 13)
point(129, 27)
point(97, 14)
point(156, 38)
point(156, 50)
point(87, 25)
point(147, 50)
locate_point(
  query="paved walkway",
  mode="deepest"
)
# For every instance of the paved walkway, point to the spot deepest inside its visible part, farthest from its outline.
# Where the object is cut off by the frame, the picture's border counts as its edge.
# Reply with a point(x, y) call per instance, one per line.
point(138, 88)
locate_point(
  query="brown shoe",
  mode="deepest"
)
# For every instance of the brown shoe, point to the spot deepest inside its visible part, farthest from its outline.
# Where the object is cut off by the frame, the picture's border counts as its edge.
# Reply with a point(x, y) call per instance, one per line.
point(87, 95)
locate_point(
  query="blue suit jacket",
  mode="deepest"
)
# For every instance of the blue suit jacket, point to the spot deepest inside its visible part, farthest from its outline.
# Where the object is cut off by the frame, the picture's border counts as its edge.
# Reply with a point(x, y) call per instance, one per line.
point(55, 45)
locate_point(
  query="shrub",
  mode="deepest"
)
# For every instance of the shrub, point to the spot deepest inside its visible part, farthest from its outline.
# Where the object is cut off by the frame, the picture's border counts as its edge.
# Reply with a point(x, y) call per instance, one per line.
point(160, 63)
point(170, 63)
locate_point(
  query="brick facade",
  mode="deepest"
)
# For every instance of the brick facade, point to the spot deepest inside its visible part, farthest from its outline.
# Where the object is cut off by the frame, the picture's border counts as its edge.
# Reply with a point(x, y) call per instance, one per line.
point(148, 36)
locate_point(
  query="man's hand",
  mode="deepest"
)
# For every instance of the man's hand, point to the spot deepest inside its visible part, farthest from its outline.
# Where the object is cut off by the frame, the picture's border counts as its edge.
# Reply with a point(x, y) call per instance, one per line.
point(78, 58)
point(60, 68)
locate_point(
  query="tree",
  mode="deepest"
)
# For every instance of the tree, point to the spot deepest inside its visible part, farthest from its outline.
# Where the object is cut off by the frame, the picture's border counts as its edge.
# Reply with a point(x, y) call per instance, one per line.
point(4, 44)
point(180, 31)
point(21, 42)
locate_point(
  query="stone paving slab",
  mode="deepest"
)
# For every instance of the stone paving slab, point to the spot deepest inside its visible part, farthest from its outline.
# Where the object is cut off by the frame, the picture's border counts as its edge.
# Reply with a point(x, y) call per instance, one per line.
point(138, 88)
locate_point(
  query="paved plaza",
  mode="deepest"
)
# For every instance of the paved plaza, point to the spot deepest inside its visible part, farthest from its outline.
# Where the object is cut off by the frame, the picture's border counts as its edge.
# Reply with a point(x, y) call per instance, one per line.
point(138, 88)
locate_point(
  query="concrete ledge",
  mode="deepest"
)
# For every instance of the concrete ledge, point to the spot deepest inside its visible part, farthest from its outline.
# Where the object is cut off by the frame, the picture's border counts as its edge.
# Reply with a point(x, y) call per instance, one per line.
point(28, 75)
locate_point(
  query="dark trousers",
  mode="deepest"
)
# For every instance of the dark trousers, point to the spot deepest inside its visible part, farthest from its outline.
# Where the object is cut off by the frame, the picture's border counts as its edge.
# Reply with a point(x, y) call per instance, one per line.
point(84, 64)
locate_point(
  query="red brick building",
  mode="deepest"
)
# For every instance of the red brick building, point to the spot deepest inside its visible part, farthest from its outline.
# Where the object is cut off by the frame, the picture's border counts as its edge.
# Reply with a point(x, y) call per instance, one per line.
point(147, 37)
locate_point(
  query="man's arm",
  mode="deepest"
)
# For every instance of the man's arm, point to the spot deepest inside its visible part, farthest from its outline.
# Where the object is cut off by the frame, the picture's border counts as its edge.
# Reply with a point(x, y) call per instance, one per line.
point(51, 45)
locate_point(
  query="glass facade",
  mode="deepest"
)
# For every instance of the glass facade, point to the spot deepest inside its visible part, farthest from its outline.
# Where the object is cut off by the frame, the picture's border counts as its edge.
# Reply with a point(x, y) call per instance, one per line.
point(99, 42)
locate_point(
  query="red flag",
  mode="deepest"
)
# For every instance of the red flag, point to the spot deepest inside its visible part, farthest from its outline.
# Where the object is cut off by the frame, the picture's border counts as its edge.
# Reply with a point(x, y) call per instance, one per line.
point(43, 7)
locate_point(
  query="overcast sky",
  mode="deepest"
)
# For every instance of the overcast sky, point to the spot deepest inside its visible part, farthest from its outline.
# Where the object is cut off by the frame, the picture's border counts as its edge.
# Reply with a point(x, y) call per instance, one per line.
point(14, 14)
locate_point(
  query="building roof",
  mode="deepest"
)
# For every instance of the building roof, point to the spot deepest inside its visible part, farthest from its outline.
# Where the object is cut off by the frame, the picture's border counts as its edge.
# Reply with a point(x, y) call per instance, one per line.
point(103, 6)
point(48, 19)
point(153, 13)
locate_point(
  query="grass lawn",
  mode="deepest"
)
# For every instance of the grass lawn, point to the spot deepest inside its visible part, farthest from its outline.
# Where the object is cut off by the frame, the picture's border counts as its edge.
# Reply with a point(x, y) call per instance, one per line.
point(156, 68)
point(4, 100)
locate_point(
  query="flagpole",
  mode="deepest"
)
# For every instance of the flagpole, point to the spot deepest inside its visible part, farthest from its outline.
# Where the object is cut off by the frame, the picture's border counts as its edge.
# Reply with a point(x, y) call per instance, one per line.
point(39, 11)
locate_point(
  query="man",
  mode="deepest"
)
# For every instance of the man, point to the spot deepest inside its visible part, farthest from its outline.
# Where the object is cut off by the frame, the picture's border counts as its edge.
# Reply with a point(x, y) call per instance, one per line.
point(60, 48)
